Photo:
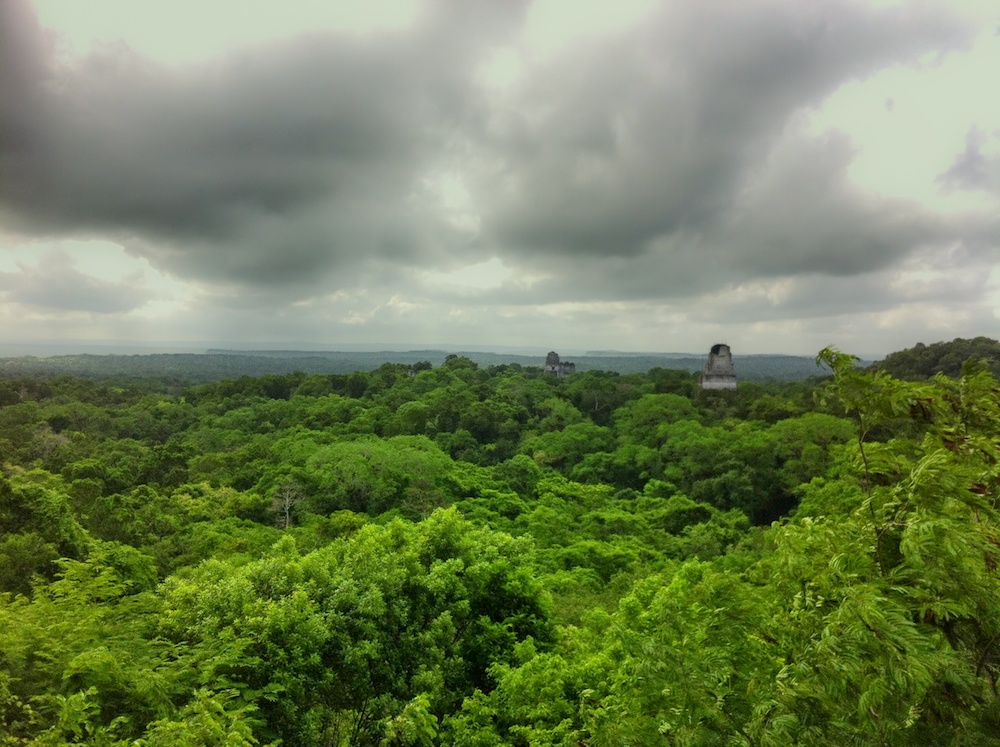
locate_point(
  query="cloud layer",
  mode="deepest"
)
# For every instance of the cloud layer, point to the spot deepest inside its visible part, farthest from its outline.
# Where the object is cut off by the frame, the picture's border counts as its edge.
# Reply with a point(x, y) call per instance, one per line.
point(661, 161)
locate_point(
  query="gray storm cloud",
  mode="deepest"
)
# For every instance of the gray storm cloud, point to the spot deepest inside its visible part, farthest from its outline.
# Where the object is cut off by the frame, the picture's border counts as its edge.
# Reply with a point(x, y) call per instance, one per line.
point(657, 162)
point(658, 130)
point(973, 169)
point(267, 166)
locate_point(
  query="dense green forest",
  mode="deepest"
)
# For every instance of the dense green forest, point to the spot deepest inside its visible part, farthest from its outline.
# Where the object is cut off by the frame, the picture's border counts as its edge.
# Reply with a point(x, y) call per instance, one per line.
point(477, 557)
point(923, 361)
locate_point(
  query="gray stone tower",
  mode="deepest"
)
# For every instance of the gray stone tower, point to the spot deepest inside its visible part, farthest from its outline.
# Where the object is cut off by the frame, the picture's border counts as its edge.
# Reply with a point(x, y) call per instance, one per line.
point(557, 368)
point(719, 373)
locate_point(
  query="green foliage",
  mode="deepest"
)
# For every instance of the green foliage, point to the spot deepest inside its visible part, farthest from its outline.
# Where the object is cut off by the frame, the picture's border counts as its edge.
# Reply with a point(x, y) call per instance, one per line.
point(924, 361)
point(76, 662)
point(39, 526)
point(209, 720)
point(566, 447)
point(872, 620)
point(375, 475)
point(342, 637)
point(639, 421)
point(267, 559)
point(23, 556)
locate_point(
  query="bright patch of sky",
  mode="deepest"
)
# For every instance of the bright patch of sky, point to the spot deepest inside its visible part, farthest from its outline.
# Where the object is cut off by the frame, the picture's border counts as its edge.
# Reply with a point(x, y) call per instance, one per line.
point(908, 123)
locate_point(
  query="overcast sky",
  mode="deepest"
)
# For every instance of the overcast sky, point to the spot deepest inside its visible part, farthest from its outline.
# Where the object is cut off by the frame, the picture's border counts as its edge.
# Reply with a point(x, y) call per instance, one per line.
point(776, 174)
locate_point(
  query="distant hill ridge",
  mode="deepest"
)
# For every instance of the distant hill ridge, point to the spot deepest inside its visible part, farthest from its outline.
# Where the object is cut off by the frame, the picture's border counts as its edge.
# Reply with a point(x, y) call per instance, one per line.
point(918, 362)
point(923, 361)
point(223, 364)
point(755, 367)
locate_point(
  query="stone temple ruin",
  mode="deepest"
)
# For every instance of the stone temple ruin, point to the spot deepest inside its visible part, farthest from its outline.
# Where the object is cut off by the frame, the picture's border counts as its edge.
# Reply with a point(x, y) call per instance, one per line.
point(719, 373)
point(557, 368)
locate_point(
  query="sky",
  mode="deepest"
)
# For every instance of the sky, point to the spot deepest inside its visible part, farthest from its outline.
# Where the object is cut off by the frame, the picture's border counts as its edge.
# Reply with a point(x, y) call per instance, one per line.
point(779, 175)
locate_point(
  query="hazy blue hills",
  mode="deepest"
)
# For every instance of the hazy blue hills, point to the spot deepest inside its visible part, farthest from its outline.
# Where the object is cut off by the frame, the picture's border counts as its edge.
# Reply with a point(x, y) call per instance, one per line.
point(222, 364)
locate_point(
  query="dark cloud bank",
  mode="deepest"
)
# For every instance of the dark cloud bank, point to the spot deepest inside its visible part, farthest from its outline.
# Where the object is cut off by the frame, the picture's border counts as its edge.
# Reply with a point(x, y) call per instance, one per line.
point(658, 162)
